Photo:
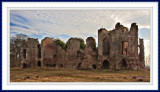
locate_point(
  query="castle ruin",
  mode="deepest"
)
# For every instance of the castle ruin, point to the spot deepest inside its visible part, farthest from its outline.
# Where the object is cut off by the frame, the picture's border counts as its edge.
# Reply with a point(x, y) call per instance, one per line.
point(117, 50)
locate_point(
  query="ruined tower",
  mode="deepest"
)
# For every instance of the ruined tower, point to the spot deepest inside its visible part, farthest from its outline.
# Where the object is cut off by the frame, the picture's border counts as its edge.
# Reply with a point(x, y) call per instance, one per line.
point(118, 48)
point(141, 54)
point(30, 53)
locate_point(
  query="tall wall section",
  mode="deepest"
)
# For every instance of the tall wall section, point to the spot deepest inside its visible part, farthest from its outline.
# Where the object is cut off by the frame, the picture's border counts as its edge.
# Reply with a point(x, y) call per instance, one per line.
point(118, 48)
point(48, 52)
point(74, 52)
point(90, 55)
point(141, 54)
point(30, 53)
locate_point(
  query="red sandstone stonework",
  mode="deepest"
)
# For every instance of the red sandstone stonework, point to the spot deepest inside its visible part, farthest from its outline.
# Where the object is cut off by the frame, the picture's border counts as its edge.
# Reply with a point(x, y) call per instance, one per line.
point(117, 50)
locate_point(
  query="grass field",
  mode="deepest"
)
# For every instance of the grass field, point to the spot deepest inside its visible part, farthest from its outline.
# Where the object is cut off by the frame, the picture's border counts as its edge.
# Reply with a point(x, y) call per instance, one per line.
point(73, 75)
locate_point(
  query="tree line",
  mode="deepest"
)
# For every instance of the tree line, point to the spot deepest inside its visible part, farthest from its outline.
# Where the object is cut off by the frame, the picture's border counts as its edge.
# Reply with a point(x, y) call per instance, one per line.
point(16, 46)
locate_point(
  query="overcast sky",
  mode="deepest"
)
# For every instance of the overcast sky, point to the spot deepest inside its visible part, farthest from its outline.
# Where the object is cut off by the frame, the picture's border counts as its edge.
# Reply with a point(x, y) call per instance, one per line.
point(64, 24)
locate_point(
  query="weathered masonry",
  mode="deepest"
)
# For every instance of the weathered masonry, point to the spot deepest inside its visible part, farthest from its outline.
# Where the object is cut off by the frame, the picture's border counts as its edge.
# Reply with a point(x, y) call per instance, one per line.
point(117, 50)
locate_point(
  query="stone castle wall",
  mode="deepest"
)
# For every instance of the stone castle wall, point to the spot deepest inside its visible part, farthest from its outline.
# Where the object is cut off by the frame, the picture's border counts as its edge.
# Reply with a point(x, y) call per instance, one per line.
point(117, 50)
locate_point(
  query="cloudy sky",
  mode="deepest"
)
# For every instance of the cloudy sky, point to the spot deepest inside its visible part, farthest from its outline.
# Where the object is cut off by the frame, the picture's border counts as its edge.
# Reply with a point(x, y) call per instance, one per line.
point(64, 24)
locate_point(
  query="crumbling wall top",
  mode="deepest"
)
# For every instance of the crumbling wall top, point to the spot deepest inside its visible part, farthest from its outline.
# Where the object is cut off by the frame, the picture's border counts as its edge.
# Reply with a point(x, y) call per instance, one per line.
point(101, 30)
point(46, 41)
point(141, 39)
point(119, 26)
point(74, 43)
point(90, 42)
point(31, 43)
point(134, 25)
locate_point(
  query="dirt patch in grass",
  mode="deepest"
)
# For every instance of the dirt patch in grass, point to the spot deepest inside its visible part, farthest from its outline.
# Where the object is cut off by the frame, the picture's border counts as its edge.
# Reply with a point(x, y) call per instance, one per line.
point(73, 75)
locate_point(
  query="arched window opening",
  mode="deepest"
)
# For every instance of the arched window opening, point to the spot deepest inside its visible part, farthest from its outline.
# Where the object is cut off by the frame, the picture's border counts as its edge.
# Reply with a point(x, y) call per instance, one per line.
point(106, 47)
point(24, 53)
point(124, 48)
point(78, 54)
point(39, 51)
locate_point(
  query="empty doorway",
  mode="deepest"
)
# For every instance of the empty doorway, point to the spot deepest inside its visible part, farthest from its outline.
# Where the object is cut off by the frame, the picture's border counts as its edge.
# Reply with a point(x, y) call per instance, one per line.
point(105, 64)
point(124, 64)
point(24, 65)
point(39, 64)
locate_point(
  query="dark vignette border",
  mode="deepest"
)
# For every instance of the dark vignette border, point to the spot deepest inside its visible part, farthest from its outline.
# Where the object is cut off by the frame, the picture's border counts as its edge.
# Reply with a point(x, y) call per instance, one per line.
point(77, 1)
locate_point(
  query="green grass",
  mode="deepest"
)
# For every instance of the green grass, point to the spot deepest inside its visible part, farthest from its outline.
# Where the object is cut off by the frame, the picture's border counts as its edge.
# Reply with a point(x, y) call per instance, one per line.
point(73, 75)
